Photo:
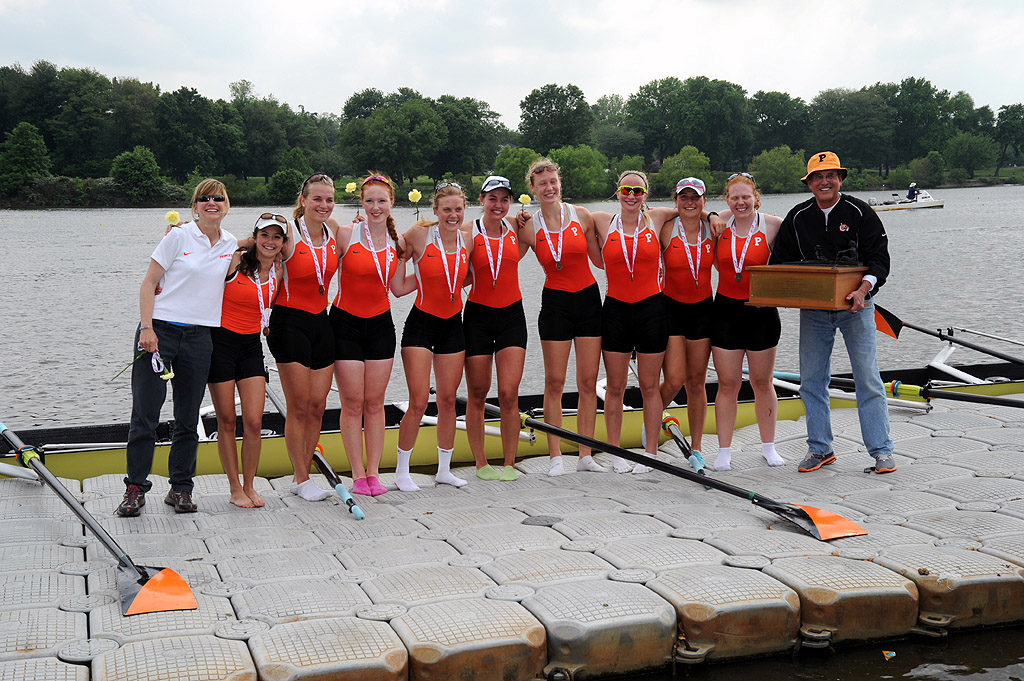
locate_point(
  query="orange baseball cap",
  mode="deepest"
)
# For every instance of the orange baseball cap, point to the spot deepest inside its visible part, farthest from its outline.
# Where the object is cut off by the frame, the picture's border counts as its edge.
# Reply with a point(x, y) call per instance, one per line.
point(826, 160)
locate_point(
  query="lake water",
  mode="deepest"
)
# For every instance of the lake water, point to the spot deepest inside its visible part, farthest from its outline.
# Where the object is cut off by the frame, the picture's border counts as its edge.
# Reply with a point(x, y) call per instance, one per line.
point(69, 283)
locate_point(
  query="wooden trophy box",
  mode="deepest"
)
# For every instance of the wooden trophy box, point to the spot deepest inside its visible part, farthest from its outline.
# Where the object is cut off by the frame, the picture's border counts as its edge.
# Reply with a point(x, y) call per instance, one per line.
point(812, 287)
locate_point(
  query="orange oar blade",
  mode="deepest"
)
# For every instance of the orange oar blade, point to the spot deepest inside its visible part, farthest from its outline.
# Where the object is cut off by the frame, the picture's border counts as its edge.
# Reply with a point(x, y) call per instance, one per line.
point(831, 525)
point(887, 322)
point(163, 592)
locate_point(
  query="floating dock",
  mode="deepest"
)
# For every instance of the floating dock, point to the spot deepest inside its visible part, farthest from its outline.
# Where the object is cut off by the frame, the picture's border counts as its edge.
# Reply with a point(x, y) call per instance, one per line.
point(582, 575)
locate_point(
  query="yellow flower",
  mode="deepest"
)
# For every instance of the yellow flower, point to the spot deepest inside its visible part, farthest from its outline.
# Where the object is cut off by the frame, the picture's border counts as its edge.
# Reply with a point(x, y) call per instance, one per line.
point(415, 196)
point(524, 199)
point(350, 187)
point(172, 217)
point(167, 375)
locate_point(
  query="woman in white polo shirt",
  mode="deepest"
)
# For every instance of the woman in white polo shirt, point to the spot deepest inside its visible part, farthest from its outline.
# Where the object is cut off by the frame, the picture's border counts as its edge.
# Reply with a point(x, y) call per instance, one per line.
point(189, 265)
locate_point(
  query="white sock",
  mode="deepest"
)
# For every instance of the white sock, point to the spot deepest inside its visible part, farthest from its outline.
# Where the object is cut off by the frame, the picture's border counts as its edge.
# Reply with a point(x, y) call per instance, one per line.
point(724, 459)
point(556, 468)
point(444, 474)
point(309, 491)
point(587, 463)
point(620, 465)
point(402, 477)
point(770, 455)
point(640, 468)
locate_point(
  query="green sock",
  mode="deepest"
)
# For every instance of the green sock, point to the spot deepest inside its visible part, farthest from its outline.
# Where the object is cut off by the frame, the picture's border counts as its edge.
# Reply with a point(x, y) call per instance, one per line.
point(508, 474)
point(488, 472)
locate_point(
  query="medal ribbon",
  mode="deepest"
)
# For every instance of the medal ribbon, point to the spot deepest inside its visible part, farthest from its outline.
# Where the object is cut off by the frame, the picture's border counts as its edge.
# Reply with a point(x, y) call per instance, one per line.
point(622, 241)
point(694, 268)
point(561, 234)
point(494, 265)
point(373, 255)
point(737, 266)
point(318, 267)
point(450, 280)
point(264, 312)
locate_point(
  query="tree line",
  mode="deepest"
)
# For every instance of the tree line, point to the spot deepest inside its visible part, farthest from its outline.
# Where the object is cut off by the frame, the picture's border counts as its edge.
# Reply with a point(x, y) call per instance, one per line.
point(72, 136)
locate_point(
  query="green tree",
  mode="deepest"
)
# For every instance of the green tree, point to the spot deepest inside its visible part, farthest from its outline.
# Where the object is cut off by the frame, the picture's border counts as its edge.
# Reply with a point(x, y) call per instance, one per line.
point(617, 140)
point(400, 141)
point(928, 171)
point(137, 174)
point(295, 159)
point(969, 151)
point(611, 110)
point(81, 130)
point(362, 104)
point(186, 120)
point(472, 129)
point(616, 166)
point(918, 122)
point(284, 186)
point(655, 111)
point(583, 170)
point(779, 170)
point(555, 116)
point(689, 162)
point(1009, 132)
point(512, 162)
point(778, 119)
point(855, 124)
point(23, 158)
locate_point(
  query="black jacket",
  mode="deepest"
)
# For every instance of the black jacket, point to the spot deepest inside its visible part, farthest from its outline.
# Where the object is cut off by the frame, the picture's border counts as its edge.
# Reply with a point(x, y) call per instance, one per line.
point(850, 223)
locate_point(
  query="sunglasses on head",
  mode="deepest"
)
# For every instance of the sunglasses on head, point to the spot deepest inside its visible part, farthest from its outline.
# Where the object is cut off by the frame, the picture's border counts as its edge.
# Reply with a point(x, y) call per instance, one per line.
point(630, 190)
point(275, 217)
point(541, 169)
point(447, 183)
point(318, 177)
point(202, 198)
point(746, 175)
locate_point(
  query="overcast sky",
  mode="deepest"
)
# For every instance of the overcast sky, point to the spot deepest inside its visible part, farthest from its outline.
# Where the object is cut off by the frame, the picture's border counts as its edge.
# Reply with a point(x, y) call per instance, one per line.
point(317, 55)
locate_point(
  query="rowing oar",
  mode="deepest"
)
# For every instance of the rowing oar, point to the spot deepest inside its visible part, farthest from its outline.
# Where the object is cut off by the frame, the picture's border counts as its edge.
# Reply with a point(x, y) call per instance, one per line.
point(335, 480)
point(890, 324)
point(901, 389)
point(142, 589)
point(818, 523)
point(321, 463)
point(670, 424)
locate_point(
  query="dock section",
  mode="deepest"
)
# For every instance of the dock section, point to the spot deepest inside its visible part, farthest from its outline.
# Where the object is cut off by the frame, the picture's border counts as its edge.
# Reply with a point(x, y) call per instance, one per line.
point(582, 575)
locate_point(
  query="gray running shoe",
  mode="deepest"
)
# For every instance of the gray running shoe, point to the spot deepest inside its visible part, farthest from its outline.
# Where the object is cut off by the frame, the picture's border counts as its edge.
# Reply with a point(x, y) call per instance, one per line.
point(885, 463)
point(815, 461)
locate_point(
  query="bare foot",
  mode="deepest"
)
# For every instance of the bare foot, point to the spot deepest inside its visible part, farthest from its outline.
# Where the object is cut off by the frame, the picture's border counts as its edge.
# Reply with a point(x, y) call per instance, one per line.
point(257, 500)
point(240, 499)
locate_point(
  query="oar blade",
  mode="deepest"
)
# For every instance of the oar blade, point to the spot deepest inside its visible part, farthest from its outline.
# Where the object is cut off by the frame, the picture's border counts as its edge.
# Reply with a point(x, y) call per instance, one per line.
point(158, 590)
point(828, 525)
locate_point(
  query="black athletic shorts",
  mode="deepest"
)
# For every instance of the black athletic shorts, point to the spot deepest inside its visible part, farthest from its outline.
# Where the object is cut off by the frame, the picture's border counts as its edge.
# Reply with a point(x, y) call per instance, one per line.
point(565, 315)
point(235, 356)
point(302, 337)
point(440, 336)
point(362, 338)
point(739, 326)
point(489, 329)
point(692, 321)
point(640, 326)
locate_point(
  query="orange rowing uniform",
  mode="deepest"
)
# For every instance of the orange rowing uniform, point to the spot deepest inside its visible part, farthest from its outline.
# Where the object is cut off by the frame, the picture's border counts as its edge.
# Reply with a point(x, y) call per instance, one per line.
point(302, 287)
point(683, 258)
point(563, 253)
point(632, 262)
point(240, 311)
point(439, 289)
point(734, 253)
point(363, 275)
point(490, 254)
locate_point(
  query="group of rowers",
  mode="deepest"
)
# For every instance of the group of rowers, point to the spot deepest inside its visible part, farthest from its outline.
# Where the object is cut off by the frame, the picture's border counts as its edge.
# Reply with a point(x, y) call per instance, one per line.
point(207, 297)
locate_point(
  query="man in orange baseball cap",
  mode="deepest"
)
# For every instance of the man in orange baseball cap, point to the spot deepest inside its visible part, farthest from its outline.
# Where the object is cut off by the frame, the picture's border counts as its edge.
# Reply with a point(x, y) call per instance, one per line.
point(821, 228)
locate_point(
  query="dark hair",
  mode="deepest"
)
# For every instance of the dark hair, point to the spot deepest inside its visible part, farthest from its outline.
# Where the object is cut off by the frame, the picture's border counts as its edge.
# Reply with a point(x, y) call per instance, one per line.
point(249, 264)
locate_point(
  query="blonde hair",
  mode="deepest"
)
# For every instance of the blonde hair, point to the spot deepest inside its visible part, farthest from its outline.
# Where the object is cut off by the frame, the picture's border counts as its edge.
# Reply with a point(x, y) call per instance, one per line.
point(745, 180)
point(449, 189)
point(639, 173)
point(210, 186)
point(374, 178)
point(315, 178)
point(539, 165)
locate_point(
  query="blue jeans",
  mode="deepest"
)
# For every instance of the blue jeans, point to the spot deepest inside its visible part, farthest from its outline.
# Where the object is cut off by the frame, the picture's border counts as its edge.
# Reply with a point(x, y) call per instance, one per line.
point(185, 351)
point(817, 337)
